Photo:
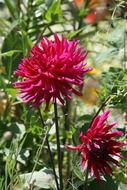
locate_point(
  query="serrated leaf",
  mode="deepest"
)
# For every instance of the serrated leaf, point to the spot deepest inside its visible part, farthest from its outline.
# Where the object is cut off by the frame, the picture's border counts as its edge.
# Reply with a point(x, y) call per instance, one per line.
point(77, 169)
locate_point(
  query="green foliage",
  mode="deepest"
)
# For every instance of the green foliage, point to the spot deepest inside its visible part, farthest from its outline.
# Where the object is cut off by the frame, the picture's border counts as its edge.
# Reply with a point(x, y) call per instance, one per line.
point(122, 187)
point(23, 151)
point(105, 185)
point(11, 52)
point(115, 85)
point(11, 5)
point(54, 12)
point(42, 179)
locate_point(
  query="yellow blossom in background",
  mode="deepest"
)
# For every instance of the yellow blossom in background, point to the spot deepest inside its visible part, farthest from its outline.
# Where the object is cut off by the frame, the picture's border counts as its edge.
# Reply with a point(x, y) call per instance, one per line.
point(95, 72)
point(2, 69)
point(3, 103)
point(91, 89)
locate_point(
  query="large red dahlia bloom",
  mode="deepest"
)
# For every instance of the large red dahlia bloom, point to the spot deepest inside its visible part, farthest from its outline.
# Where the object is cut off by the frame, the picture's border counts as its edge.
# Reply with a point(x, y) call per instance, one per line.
point(99, 148)
point(51, 70)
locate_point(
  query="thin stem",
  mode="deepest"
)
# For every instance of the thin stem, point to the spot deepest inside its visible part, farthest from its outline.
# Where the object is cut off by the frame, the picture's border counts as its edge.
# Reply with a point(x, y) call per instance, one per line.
point(66, 111)
point(38, 153)
point(124, 57)
point(58, 147)
point(100, 108)
point(49, 150)
point(87, 3)
point(86, 180)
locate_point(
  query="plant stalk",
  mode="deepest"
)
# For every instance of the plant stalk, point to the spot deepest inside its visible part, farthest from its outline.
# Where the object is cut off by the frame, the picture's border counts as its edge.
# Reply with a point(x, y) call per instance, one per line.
point(100, 108)
point(86, 180)
point(49, 150)
point(58, 147)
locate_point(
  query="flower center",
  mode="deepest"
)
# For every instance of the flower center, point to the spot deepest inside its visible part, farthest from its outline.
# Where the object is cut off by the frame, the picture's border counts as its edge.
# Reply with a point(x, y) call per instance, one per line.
point(98, 149)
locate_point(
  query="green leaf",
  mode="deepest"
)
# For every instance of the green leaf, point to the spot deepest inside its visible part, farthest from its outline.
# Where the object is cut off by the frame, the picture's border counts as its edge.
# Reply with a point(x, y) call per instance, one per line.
point(122, 186)
point(27, 43)
point(109, 184)
point(76, 185)
point(116, 38)
point(23, 157)
point(4, 26)
point(54, 11)
point(77, 169)
point(78, 172)
point(105, 55)
point(12, 7)
point(43, 178)
point(72, 34)
point(12, 92)
point(12, 51)
point(9, 53)
point(83, 123)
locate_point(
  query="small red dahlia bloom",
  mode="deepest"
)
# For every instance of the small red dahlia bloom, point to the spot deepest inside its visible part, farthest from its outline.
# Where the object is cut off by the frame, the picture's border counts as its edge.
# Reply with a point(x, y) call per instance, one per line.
point(99, 148)
point(51, 70)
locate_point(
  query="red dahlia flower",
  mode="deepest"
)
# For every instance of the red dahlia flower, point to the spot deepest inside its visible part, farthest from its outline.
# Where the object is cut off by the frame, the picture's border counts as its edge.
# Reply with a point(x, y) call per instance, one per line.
point(51, 70)
point(99, 147)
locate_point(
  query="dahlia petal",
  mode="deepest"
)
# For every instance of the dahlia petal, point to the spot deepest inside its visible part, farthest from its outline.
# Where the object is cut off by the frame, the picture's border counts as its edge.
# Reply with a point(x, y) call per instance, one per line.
point(106, 169)
point(118, 155)
point(115, 134)
point(96, 171)
point(103, 117)
point(30, 98)
point(56, 39)
point(88, 69)
point(95, 122)
point(69, 147)
point(84, 139)
point(109, 158)
point(52, 67)
point(83, 163)
point(60, 99)
point(89, 133)
point(99, 120)
point(115, 143)
point(116, 150)
point(99, 146)
point(108, 127)
point(76, 92)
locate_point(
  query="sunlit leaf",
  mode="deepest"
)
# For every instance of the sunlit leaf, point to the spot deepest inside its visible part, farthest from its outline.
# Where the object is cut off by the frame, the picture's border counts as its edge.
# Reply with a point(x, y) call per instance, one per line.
point(43, 178)
point(9, 53)
point(54, 12)
point(122, 186)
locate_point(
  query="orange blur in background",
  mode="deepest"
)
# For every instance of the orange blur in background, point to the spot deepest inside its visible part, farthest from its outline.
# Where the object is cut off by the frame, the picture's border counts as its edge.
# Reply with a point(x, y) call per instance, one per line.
point(98, 9)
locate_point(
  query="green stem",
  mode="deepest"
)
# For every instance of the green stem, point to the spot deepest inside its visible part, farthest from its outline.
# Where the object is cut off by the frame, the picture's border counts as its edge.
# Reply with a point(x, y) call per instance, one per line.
point(58, 147)
point(124, 57)
point(86, 180)
point(86, 4)
point(49, 150)
point(66, 112)
point(100, 108)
